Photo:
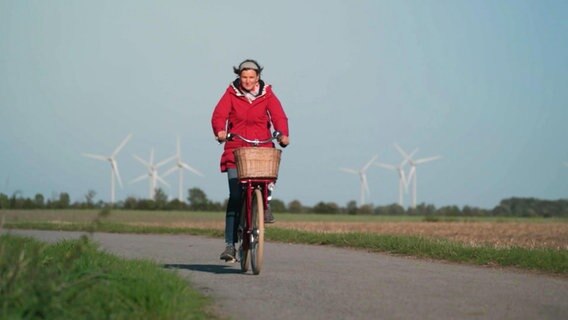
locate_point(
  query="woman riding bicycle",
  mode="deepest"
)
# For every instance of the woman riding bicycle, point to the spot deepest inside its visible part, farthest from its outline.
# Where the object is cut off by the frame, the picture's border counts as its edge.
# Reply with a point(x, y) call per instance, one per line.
point(249, 108)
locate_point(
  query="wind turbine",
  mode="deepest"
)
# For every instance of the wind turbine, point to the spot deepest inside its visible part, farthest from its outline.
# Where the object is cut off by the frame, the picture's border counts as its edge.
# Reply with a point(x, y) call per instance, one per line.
point(402, 181)
point(412, 173)
point(114, 174)
point(152, 174)
point(180, 165)
point(362, 173)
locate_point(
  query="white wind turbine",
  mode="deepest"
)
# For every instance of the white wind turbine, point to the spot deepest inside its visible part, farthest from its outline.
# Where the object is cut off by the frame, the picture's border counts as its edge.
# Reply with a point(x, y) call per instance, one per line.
point(402, 181)
point(412, 173)
point(362, 173)
point(180, 165)
point(152, 174)
point(114, 174)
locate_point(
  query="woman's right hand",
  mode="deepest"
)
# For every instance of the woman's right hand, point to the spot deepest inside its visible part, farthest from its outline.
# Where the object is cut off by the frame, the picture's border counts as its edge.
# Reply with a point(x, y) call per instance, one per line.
point(222, 136)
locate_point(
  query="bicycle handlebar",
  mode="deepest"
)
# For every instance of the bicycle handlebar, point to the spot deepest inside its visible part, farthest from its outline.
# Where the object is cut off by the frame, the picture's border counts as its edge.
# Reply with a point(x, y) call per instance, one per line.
point(256, 142)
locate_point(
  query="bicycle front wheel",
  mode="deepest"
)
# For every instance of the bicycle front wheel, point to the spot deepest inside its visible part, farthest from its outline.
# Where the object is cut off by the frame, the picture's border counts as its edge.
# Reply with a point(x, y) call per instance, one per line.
point(257, 245)
point(243, 241)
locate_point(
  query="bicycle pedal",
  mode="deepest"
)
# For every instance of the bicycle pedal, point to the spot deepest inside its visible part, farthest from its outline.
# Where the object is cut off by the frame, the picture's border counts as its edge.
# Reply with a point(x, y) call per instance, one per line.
point(231, 260)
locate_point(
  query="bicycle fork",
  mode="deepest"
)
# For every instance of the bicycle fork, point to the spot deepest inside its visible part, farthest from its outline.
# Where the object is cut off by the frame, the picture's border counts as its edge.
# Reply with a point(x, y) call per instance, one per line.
point(248, 233)
point(245, 230)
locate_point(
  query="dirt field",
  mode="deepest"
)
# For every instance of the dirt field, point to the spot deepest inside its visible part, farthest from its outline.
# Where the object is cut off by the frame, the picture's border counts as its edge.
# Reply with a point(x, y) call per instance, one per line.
point(527, 235)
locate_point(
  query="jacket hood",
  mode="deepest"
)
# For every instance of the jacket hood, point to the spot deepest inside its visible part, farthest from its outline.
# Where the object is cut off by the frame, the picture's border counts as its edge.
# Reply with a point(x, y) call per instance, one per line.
point(236, 85)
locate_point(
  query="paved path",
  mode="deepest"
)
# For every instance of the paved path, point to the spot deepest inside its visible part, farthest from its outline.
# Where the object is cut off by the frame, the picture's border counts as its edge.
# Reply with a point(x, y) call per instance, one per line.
point(314, 282)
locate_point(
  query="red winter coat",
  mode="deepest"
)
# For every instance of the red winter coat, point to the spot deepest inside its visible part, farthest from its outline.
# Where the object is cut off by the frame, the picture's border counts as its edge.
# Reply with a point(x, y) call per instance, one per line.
point(253, 120)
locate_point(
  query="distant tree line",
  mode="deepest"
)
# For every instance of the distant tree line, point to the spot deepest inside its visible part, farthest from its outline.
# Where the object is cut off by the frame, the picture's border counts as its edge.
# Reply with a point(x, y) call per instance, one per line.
point(197, 200)
point(511, 207)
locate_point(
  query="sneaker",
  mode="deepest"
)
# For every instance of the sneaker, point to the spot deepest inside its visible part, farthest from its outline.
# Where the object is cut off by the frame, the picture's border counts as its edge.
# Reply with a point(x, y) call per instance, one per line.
point(228, 254)
point(268, 217)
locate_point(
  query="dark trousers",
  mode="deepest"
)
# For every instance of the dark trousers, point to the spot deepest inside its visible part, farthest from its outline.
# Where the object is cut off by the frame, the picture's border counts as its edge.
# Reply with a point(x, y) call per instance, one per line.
point(234, 207)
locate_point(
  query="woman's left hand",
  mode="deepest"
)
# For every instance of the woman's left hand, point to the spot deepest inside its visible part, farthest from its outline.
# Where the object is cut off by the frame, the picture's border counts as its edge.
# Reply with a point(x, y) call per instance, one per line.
point(284, 140)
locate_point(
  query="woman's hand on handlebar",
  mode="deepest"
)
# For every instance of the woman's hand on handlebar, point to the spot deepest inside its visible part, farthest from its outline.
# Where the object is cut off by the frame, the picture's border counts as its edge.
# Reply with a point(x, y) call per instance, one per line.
point(283, 140)
point(221, 136)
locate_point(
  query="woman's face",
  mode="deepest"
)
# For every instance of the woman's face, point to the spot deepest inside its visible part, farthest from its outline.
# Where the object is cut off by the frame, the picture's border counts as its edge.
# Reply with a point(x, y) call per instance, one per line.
point(249, 79)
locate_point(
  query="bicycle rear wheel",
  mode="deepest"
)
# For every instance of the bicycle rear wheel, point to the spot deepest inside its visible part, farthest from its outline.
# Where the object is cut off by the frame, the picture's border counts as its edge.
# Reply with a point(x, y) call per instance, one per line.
point(257, 243)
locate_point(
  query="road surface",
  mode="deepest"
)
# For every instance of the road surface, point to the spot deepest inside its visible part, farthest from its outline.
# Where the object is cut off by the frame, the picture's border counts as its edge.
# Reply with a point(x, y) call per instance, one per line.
point(317, 282)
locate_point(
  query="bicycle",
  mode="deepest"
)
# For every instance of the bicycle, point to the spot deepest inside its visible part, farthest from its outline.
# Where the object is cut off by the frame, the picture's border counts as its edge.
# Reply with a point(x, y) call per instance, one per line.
point(255, 183)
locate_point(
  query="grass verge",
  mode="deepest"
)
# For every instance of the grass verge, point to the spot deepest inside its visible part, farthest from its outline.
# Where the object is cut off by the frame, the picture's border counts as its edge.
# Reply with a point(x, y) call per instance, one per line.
point(544, 260)
point(74, 280)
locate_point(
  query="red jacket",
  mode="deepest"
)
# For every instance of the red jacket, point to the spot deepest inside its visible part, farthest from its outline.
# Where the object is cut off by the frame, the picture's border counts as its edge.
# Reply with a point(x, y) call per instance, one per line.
point(253, 120)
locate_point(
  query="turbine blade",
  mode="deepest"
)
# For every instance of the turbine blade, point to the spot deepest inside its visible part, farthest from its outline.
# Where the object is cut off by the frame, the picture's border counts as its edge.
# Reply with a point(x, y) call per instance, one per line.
point(369, 163)
point(121, 145)
point(161, 163)
point(115, 169)
point(140, 178)
point(162, 180)
point(365, 184)
point(411, 174)
point(402, 177)
point(95, 156)
point(169, 171)
point(409, 159)
point(146, 164)
point(406, 160)
point(402, 152)
point(187, 167)
point(413, 153)
point(419, 161)
point(384, 165)
point(349, 170)
point(178, 148)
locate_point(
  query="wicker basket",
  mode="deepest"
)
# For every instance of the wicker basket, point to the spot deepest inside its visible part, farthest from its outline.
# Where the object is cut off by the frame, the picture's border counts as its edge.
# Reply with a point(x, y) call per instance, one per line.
point(257, 162)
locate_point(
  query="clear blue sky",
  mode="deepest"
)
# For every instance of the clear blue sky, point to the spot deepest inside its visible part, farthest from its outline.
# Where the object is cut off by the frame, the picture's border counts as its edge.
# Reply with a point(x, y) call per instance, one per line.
point(481, 83)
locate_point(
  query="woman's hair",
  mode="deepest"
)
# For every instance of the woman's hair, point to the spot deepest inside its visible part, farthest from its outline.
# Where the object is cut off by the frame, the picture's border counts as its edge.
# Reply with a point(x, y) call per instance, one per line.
point(248, 64)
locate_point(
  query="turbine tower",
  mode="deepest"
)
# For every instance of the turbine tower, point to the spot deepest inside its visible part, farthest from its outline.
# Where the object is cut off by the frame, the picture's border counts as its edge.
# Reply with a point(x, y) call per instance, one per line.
point(362, 173)
point(180, 165)
point(114, 174)
point(402, 181)
point(152, 174)
point(412, 175)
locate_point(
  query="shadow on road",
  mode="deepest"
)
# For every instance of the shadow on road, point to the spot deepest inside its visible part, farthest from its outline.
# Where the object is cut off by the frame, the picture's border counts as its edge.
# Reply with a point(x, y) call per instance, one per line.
point(210, 268)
